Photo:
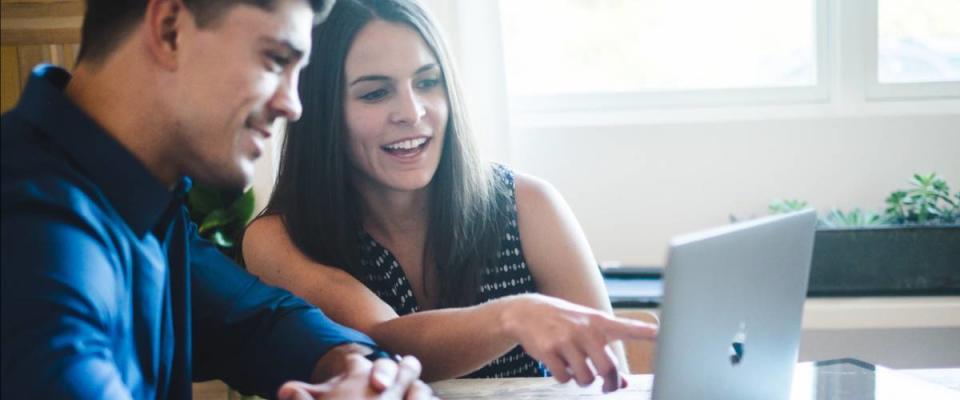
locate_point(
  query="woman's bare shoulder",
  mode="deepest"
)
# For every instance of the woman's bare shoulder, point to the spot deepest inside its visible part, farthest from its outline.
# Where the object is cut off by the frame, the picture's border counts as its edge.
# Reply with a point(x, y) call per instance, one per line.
point(533, 193)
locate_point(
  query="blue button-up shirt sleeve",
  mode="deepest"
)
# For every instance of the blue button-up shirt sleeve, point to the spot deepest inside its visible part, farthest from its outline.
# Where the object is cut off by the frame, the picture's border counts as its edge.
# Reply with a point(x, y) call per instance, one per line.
point(59, 285)
point(106, 289)
point(251, 335)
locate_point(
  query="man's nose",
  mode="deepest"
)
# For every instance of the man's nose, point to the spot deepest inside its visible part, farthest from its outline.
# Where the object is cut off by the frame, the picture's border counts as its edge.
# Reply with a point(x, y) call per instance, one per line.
point(286, 101)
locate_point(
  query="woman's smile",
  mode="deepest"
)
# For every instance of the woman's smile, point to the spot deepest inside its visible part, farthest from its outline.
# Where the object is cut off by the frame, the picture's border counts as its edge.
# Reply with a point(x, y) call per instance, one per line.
point(407, 149)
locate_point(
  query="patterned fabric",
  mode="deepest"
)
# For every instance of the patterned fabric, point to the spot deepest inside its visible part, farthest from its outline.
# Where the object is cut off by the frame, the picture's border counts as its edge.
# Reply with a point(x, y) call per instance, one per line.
point(384, 276)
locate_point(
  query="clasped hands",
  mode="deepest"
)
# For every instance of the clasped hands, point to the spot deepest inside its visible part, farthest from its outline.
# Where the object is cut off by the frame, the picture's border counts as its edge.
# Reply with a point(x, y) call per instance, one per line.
point(362, 379)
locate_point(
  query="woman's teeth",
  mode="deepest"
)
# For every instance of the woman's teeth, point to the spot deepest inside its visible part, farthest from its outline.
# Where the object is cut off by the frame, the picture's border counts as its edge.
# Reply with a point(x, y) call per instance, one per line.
point(406, 144)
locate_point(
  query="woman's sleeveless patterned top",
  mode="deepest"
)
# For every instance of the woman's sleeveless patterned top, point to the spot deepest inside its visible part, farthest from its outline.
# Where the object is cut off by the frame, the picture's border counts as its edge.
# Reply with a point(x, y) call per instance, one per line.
point(384, 276)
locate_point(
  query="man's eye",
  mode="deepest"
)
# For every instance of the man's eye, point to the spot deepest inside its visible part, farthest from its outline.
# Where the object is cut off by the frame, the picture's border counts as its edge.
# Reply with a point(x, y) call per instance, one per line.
point(277, 61)
point(374, 95)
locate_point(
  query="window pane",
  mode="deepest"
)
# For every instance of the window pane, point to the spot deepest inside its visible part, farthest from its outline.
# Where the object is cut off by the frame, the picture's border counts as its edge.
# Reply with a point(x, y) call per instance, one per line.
point(584, 46)
point(918, 41)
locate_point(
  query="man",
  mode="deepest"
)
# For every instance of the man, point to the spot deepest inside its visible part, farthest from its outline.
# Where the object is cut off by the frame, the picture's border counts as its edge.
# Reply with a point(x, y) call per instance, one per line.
point(107, 292)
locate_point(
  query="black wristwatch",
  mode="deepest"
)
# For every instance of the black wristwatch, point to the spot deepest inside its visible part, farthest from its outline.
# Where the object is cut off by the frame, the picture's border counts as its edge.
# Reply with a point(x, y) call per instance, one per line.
point(379, 353)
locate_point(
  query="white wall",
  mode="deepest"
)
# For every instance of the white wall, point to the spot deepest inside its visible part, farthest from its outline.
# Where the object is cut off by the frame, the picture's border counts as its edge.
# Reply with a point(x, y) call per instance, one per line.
point(634, 186)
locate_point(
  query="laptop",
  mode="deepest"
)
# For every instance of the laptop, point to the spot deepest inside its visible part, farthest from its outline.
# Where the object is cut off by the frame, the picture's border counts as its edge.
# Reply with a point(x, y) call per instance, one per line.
point(731, 310)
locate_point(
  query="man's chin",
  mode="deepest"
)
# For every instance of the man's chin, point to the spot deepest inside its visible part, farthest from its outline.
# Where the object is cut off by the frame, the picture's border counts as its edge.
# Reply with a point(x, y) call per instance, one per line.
point(240, 180)
point(234, 179)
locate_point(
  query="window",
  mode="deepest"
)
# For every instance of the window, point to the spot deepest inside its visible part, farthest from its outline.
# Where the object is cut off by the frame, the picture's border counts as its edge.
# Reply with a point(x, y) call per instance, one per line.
point(617, 46)
point(628, 56)
point(918, 41)
point(915, 49)
point(623, 54)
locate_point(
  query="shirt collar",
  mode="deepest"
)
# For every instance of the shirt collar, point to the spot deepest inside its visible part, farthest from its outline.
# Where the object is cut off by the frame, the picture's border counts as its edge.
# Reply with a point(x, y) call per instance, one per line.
point(138, 196)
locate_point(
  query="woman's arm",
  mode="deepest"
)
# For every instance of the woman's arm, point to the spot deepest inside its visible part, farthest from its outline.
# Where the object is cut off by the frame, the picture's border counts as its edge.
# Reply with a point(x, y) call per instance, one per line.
point(449, 342)
point(556, 250)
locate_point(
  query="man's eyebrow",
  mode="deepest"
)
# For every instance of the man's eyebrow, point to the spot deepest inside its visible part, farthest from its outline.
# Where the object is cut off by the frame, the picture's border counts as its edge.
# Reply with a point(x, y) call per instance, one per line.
point(294, 51)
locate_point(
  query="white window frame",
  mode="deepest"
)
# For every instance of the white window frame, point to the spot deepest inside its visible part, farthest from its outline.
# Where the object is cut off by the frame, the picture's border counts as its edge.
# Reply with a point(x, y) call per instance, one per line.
point(875, 90)
point(846, 86)
point(818, 92)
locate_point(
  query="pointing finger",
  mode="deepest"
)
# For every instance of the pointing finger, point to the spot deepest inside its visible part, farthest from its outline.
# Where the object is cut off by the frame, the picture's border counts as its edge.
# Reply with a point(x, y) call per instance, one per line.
point(625, 328)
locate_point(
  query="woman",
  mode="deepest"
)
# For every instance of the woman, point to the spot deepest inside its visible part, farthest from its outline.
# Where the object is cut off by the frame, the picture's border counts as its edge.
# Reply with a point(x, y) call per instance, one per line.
point(384, 217)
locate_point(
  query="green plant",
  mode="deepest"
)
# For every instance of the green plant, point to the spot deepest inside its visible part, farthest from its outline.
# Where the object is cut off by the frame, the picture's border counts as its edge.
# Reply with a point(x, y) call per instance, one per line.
point(783, 206)
point(217, 220)
point(927, 202)
point(836, 218)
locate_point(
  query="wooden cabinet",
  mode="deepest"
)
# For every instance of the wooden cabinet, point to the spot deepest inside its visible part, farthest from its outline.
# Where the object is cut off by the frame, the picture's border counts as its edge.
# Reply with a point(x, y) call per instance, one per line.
point(34, 32)
point(640, 354)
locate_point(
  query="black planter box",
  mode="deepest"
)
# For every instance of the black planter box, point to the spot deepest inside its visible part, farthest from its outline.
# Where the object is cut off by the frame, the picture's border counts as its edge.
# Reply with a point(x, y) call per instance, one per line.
point(913, 260)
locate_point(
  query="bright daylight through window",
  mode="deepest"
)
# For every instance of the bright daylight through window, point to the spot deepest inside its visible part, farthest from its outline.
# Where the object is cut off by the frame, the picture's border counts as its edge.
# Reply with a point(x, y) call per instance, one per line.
point(621, 46)
point(918, 41)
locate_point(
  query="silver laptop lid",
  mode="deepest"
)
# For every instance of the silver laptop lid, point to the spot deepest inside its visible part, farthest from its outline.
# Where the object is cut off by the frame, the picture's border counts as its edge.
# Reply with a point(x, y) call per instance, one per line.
point(732, 307)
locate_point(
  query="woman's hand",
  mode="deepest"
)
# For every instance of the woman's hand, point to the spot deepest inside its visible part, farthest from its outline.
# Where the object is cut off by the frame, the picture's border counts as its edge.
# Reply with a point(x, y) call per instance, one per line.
point(564, 335)
point(361, 379)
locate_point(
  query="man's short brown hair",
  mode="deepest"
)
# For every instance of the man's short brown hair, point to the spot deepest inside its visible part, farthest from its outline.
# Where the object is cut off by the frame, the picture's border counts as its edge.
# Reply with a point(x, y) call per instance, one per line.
point(107, 22)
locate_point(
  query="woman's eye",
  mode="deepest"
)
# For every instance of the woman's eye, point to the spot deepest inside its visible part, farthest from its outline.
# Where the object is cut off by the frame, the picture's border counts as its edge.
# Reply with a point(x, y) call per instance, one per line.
point(374, 95)
point(428, 83)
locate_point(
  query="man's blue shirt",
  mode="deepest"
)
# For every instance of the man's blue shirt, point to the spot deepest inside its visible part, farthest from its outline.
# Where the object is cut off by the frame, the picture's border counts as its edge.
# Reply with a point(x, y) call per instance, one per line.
point(108, 292)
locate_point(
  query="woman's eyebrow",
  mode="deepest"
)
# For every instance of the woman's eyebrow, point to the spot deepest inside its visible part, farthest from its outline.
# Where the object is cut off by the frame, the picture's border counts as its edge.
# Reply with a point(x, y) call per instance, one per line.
point(370, 78)
point(426, 68)
point(365, 78)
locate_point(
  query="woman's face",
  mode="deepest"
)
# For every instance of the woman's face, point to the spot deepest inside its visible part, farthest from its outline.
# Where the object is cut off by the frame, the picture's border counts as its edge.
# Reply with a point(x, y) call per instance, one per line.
point(395, 107)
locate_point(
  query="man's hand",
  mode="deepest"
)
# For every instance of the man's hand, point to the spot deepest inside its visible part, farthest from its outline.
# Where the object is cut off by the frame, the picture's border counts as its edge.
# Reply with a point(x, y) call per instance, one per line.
point(361, 379)
point(570, 339)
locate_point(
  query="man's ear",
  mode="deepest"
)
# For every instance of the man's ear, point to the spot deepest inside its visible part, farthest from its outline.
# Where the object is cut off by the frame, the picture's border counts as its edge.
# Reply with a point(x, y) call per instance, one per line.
point(164, 21)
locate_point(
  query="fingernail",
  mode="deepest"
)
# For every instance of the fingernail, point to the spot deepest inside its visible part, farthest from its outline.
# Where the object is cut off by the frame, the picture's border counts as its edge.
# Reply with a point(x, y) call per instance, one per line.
point(411, 361)
point(382, 377)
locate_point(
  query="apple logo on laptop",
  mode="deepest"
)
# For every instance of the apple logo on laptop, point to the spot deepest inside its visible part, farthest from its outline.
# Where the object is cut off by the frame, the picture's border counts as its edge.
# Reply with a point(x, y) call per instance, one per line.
point(737, 345)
